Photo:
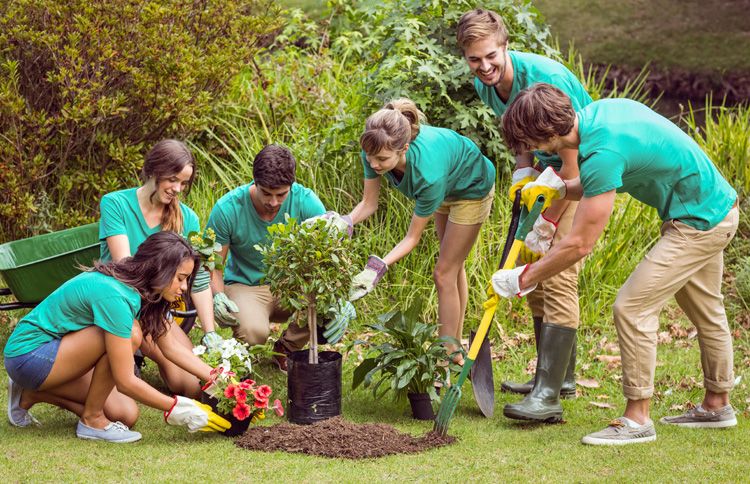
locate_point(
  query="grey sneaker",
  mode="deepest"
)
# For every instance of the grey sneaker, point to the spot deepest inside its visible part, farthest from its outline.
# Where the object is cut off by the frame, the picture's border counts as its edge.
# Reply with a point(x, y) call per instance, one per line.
point(116, 432)
point(699, 418)
point(620, 433)
point(18, 416)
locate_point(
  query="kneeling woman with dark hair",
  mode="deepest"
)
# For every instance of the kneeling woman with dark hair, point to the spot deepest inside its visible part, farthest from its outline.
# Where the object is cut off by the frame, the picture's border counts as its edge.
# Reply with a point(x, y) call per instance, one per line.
point(77, 346)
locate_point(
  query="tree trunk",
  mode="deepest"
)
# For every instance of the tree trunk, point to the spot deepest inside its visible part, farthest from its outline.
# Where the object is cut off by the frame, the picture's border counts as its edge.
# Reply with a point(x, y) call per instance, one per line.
point(312, 325)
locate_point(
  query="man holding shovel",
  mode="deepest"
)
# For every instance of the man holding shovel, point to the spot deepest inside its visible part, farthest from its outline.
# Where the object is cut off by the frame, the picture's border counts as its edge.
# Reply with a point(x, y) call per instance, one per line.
point(500, 75)
point(626, 147)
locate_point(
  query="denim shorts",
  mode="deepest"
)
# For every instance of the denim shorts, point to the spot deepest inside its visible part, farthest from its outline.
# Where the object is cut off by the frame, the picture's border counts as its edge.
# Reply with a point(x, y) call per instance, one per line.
point(32, 369)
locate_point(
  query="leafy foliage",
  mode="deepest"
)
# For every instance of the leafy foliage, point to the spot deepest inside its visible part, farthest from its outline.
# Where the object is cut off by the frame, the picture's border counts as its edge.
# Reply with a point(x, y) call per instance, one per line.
point(409, 49)
point(410, 361)
point(87, 87)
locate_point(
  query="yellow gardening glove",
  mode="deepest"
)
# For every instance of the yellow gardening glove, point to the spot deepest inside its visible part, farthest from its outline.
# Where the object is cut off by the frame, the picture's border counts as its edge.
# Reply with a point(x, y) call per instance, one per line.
point(196, 416)
point(521, 177)
point(548, 184)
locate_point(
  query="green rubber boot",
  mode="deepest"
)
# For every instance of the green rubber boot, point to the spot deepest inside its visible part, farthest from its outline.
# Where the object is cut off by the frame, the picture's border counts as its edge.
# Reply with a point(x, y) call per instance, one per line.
point(542, 404)
point(568, 389)
point(524, 388)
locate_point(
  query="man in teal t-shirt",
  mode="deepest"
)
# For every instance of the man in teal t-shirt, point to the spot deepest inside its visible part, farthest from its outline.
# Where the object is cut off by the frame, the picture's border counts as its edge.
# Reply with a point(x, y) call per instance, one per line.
point(241, 219)
point(626, 147)
point(500, 74)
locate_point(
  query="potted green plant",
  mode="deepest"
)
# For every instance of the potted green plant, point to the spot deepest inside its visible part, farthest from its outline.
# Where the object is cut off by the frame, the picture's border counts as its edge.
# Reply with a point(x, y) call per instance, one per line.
point(411, 360)
point(309, 269)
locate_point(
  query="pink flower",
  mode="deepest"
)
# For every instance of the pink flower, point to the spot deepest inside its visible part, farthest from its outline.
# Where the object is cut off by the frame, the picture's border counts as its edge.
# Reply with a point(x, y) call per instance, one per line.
point(247, 384)
point(230, 391)
point(240, 395)
point(263, 392)
point(261, 403)
point(278, 408)
point(241, 411)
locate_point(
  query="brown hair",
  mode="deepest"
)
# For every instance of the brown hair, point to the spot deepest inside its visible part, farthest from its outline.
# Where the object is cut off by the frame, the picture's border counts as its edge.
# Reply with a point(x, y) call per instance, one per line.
point(392, 127)
point(537, 114)
point(151, 270)
point(168, 158)
point(479, 24)
point(274, 166)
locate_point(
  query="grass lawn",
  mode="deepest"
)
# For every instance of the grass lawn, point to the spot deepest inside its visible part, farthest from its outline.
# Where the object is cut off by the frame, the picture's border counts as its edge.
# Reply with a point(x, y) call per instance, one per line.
point(706, 36)
point(488, 450)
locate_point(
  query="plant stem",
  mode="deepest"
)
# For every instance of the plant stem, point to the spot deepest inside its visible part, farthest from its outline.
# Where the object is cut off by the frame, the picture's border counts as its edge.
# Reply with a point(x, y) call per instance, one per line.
point(312, 325)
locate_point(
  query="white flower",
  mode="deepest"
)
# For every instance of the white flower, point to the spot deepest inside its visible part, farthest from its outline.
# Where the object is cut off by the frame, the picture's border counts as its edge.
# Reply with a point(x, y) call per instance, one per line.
point(199, 350)
point(226, 365)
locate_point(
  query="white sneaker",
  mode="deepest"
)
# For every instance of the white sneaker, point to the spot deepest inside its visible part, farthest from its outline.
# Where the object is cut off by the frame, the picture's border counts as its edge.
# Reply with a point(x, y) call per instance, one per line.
point(622, 431)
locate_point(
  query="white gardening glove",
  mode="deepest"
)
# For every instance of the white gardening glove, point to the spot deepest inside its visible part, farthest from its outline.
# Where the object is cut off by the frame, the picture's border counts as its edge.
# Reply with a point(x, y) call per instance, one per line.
point(223, 309)
point(364, 282)
point(343, 223)
point(212, 340)
point(539, 240)
point(521, 177)
point(506, 283)
point(195, 416)
point(548, 184)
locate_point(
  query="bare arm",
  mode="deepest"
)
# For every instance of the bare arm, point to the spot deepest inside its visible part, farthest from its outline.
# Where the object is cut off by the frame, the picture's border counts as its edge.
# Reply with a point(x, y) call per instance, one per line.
point(182, 356)
point(120, 354)
point(591, 217)
point(573, 189)
point(524, 160)
point(204, 304)
point(119, 246)
point(410, 240)
point(369, 203)
point(217, 276)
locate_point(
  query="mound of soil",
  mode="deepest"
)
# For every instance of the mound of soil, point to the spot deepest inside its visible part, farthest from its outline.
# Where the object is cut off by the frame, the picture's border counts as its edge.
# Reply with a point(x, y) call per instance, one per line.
point(337, 437)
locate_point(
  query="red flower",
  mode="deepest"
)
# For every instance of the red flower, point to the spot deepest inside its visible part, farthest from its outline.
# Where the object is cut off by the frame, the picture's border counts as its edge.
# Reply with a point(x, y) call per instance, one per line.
point(240, 395)
point(263, 392)
point(247, 384)
point(261, 403)
point(278, 408)
point(241, 411)
point(230, 391)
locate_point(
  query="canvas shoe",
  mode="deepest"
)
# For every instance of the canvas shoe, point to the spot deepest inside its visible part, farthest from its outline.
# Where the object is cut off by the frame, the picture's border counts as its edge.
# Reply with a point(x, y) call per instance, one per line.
point(622, 431)
point(116, 432)
point(18, 416)
point(699, 418)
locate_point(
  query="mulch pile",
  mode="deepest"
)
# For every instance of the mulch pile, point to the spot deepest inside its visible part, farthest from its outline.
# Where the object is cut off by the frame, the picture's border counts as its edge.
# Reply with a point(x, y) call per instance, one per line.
point(337, 437)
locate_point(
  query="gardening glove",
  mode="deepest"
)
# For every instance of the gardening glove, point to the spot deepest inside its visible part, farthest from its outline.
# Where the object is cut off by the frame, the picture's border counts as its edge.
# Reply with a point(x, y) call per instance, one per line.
point(538, 241)
point(506, 282)
point(202, 278)
point(212, 340)
point(341, 313)
point(364, 282)
point(195, 416)
point(343, 223)
point(548, 184)
point(521, 177)
point(223, 309)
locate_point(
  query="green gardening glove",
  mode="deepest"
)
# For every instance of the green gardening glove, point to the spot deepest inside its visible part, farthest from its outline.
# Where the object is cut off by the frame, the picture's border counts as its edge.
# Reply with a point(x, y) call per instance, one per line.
point(223, 309)
point(342, 313)
point(202, 278)
point(212, 340)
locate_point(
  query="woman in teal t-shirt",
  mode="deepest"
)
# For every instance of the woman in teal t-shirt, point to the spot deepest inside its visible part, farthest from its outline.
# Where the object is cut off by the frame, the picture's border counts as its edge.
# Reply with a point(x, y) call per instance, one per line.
point(448, 177)
point(77, 345)
point(129, 216)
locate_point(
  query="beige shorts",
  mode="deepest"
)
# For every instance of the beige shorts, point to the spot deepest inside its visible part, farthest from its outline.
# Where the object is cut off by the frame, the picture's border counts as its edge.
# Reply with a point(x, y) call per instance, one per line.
point(468, 212)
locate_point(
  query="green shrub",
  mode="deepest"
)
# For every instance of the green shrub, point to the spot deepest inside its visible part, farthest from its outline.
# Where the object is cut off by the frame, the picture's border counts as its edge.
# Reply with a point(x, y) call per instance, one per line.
point(87, 87)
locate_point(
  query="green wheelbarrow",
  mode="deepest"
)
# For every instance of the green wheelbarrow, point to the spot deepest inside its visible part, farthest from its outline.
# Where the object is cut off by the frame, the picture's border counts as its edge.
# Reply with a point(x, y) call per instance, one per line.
point(33, 268)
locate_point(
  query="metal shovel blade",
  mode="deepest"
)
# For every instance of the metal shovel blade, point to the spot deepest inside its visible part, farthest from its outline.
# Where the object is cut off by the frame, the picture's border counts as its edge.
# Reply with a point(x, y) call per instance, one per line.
point(482, 382)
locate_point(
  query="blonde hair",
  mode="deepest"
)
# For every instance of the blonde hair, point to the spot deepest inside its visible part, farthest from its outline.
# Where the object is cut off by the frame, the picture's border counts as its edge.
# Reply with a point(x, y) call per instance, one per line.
point(392, 127)
point(479, 24)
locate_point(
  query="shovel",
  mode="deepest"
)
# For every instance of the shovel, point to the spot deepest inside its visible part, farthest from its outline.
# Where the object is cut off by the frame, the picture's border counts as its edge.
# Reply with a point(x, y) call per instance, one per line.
point(482, 380)
point(450, 401)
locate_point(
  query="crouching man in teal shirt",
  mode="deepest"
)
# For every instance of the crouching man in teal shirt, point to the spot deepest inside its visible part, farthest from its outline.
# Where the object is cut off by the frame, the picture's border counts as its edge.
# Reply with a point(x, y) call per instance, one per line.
point(625, 147)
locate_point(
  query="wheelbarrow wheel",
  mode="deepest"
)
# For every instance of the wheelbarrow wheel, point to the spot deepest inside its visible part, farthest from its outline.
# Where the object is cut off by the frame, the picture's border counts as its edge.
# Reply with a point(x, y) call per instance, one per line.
point(185, 315)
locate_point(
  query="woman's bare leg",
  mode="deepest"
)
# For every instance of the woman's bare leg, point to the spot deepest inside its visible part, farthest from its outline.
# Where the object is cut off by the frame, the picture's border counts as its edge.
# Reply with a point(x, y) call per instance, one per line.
point(179, 381)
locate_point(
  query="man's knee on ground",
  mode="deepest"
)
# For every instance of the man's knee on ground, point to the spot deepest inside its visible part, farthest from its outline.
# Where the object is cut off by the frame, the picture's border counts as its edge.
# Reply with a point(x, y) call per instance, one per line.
point(253, 334)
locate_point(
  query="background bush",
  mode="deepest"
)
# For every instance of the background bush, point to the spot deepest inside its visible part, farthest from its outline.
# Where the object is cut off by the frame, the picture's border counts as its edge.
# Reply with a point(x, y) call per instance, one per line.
point(87, 87)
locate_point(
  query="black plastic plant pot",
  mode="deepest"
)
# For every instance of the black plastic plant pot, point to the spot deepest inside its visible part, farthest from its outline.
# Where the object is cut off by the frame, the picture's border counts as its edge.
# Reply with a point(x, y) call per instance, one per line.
point(238, 427)
point(314, 390)
point(421, 406)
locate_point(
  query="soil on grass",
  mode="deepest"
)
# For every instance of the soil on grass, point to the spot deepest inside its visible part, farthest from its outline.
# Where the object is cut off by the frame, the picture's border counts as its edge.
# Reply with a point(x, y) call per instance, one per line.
point(337, 437)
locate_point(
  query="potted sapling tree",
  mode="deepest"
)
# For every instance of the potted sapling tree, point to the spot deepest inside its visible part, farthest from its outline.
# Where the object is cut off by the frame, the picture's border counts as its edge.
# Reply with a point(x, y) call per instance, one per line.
point(411, 361)
point(309, 269)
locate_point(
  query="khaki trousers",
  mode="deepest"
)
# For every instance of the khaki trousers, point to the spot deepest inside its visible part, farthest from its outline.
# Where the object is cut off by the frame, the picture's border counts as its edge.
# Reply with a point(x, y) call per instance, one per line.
point(258, 308)
point(555, 300)
point(685, 263)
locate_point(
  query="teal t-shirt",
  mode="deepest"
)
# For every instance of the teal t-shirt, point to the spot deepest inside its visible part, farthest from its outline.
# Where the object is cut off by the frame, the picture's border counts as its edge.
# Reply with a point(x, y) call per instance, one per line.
point(121, 215)
point(530, 69)
point(441, 165)
point(625, 146)
point(237, 224)
point(89, 299)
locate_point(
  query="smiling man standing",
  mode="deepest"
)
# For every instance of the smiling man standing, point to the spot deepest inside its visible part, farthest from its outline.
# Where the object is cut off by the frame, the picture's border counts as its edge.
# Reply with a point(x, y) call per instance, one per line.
point(241, 219)
point(500, 75)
